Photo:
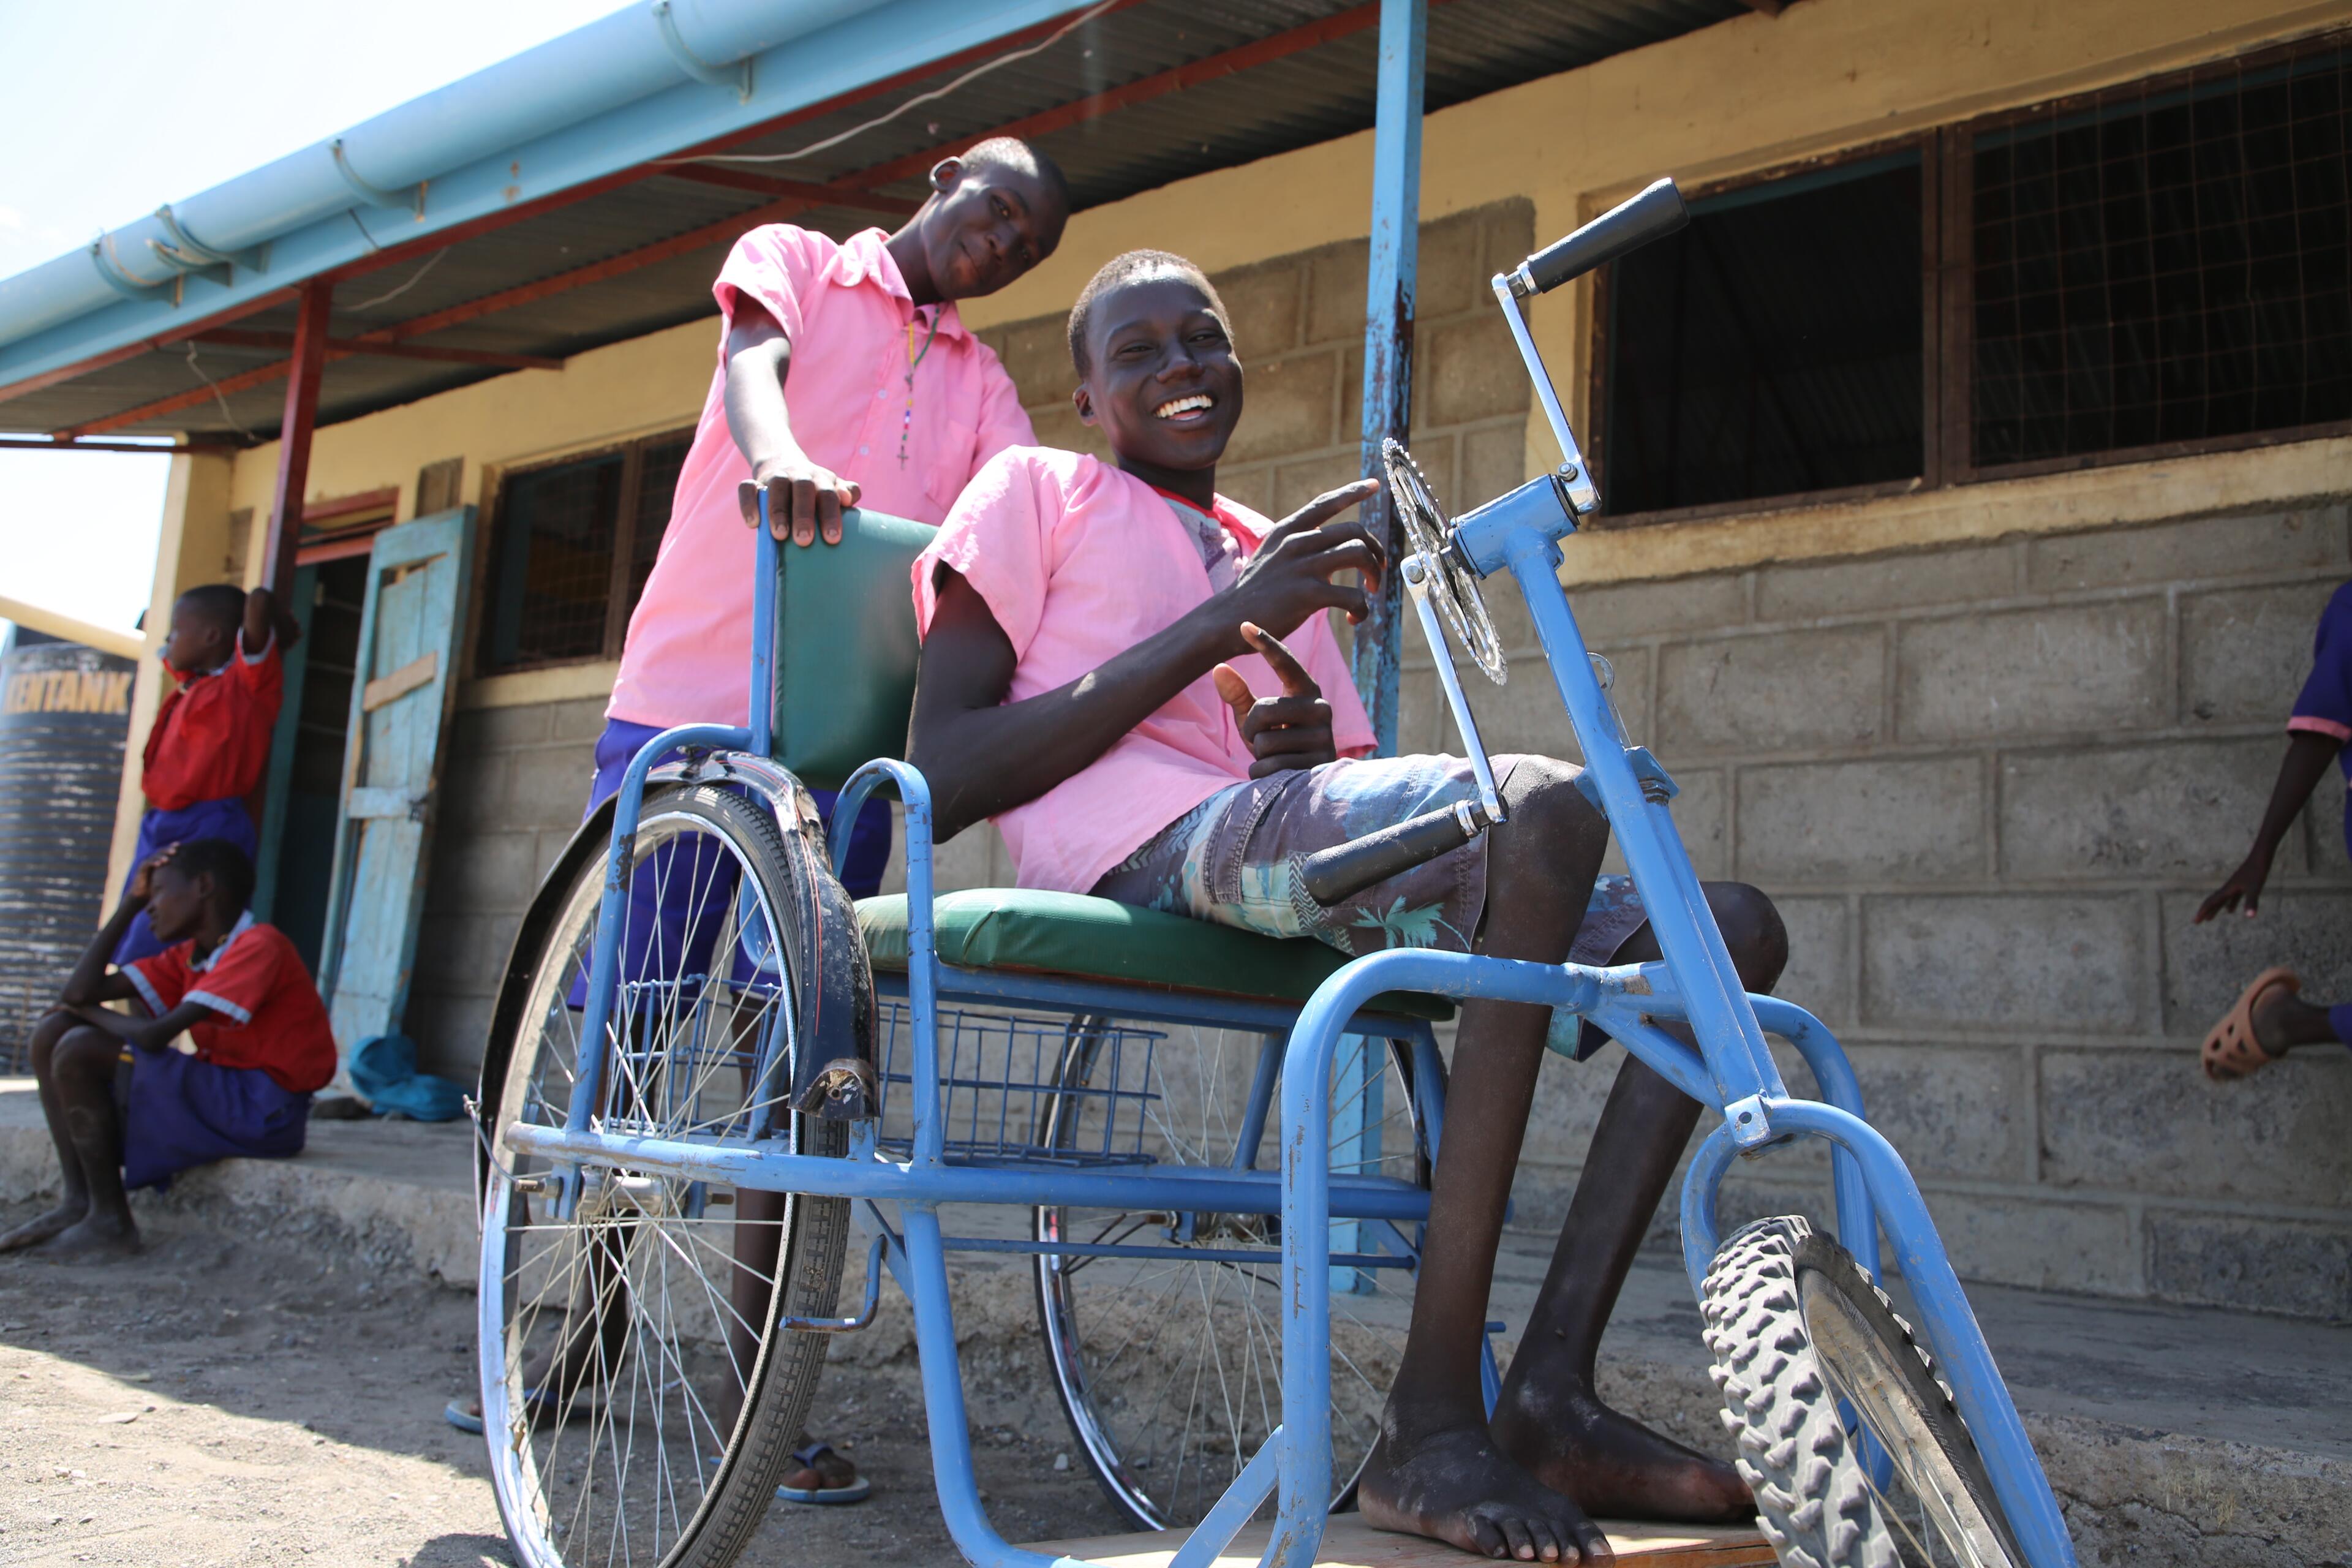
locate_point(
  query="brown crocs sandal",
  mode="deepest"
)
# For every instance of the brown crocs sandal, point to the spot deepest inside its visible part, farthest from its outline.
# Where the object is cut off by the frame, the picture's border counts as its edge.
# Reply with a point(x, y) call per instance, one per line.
point(2231, 1050)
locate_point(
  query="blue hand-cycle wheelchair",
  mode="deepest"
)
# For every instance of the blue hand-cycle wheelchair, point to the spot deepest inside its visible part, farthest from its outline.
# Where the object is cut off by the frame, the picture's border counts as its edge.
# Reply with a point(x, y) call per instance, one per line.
point(705, 1056)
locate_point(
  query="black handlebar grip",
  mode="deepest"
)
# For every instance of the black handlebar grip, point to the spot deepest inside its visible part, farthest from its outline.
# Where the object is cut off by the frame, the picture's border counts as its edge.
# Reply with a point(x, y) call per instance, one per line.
point(1334, 874)
point(1655, 214)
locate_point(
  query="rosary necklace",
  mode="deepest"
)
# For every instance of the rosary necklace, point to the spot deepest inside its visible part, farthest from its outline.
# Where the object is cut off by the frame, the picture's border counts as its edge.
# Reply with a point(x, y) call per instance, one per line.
point(915, 358)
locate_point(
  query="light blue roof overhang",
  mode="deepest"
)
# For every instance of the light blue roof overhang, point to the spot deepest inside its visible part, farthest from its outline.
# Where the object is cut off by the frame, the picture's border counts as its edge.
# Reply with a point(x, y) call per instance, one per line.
point(571, 214)
point(639, 85)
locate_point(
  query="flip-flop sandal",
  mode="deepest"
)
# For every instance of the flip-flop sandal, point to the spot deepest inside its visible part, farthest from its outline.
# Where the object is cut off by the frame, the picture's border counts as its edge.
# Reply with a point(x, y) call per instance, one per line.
point(858, 1490)
point(2231, 1050)
point(465, 1420)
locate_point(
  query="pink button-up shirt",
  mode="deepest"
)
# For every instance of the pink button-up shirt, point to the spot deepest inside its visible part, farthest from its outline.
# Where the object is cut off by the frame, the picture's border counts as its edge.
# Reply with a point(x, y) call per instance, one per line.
point(853, 329)
point(1079, 562)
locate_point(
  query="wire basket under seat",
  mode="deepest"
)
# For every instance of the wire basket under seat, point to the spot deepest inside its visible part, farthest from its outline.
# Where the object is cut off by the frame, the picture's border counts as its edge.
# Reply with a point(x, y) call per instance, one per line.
point(1053, 1090)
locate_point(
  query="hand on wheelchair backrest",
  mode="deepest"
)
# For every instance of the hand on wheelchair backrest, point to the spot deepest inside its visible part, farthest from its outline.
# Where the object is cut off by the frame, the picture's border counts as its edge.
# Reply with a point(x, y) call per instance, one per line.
point(805, 500)
point(1292, 730)
point(1290, 576)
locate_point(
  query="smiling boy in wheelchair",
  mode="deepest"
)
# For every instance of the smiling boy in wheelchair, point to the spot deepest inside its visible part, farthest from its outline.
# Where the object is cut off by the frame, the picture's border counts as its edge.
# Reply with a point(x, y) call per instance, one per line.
point(1134, 679)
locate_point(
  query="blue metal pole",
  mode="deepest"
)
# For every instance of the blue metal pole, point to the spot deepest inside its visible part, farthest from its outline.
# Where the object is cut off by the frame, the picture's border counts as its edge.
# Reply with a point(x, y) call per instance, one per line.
point(1388, 412)
point(1388, 332)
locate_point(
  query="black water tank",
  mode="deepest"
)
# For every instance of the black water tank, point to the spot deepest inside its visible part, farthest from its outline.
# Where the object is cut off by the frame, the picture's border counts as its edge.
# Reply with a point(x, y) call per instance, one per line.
point(64, 710)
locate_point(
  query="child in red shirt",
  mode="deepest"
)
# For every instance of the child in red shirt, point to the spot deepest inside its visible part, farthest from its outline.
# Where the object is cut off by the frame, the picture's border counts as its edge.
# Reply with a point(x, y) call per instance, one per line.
point(211, 738)
point(133, 1118)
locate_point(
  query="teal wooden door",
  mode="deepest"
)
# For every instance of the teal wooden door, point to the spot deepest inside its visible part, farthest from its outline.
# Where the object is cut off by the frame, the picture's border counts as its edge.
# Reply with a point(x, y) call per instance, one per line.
point(402, 691)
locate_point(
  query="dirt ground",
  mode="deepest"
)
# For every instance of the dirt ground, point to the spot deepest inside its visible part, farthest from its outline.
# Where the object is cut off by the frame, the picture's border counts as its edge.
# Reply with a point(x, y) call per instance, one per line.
point(240, 1396)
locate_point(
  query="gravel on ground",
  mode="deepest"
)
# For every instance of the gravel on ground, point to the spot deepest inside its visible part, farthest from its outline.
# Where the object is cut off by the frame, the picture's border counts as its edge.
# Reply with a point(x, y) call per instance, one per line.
point(244, 1393)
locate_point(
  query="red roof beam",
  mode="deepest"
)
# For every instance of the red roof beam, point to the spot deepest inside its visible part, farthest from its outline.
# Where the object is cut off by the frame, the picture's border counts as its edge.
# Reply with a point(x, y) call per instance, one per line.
point(806, 190)
point(238, 338)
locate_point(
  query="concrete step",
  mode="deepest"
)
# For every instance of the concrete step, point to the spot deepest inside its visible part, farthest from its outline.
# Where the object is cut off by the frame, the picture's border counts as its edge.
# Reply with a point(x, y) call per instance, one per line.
point(2173, 1435)
point(403, 1191)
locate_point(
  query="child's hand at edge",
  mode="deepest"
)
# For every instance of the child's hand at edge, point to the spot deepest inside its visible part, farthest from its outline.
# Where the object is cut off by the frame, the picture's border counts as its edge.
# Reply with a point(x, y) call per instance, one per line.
point(1292, 730)
point(2245, 882)
point(142, 881)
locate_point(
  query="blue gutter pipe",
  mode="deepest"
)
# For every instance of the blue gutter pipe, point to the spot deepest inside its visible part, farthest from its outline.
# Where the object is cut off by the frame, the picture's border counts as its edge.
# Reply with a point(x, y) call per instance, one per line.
point(638, 85)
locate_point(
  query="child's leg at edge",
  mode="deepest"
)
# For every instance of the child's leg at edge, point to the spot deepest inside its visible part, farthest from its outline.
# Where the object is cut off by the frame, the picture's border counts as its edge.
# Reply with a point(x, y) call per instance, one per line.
point(73, 1191)
point(2283, 1020)
point(1436, 1470)
point(74, 1065)
point(1549, 1418)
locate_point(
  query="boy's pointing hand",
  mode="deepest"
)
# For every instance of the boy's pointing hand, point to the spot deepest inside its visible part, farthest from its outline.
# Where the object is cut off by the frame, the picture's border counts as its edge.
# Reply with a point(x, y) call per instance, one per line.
point(1292, 730)
point(1290, 577)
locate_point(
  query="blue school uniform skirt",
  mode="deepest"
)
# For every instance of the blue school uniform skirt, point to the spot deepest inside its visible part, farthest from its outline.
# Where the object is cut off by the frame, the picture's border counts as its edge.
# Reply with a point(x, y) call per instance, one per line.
point(206, 819)
point(180, 1111)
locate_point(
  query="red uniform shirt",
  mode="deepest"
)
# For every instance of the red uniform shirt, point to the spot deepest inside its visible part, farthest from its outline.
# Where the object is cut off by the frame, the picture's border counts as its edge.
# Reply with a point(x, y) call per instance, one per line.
point(211, 738)
point(272, 1016)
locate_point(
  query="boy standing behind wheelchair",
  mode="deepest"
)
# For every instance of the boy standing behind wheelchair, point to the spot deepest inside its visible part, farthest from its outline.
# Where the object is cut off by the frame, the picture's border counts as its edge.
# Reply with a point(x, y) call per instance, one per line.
point(844, 377)
point(1104, 677)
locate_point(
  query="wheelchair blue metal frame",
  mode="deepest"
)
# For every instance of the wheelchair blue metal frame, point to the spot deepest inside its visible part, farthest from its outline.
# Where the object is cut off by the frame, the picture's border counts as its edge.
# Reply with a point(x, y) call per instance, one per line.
point(1695, 983)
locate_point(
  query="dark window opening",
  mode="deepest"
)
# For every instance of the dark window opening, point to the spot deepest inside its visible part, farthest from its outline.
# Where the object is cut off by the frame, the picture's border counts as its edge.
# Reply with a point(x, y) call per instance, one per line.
point(2165, 265)
point(572, 548)
point(1771, 348)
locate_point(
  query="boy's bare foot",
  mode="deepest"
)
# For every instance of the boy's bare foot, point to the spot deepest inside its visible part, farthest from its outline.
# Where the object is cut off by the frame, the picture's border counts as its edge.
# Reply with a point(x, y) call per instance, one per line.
point(1456, 1486)
point(96, 1235)
point(1615, 1466)
point(33, 1232)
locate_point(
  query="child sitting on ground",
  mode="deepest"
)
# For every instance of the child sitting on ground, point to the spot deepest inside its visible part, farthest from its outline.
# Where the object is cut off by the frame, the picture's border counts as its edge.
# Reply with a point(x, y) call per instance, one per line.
point(2271, 1016)
point(211, 736)
point(133, 1118)
point(1104, 676)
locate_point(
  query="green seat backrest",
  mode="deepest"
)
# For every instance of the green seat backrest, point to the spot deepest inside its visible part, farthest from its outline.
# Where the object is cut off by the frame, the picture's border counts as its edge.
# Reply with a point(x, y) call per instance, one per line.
point(845, 646)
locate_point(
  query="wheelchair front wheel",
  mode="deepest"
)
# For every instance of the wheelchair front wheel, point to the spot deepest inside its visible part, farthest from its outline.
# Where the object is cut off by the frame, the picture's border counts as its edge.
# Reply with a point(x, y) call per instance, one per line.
point(1812, 1360)
point(639, 1402)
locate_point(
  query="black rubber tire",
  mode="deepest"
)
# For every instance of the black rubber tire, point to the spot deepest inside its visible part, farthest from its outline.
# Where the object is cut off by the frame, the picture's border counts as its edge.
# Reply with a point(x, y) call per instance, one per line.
point(783, 1379)
point(1781, 1396)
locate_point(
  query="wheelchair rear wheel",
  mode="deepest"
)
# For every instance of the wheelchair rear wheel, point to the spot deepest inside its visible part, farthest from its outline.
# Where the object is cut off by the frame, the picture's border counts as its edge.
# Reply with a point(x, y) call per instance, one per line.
point(1169, 1366)
point(638, 1400)
point(1849, 1440)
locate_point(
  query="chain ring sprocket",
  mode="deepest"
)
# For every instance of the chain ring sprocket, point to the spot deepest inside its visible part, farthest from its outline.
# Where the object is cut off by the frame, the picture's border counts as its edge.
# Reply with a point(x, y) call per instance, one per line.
point(1459, 602)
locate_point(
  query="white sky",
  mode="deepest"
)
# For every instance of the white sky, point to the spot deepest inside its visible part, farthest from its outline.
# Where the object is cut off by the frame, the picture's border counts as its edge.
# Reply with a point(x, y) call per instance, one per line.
point(114, 110)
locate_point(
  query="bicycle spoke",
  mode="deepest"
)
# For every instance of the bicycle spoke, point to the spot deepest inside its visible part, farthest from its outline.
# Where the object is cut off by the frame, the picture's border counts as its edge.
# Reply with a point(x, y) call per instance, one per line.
point(1172, 1367)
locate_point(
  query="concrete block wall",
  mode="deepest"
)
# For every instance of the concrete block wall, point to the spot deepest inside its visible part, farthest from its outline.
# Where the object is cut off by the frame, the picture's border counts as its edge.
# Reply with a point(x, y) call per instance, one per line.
point(1988, 785)
point(511, 792)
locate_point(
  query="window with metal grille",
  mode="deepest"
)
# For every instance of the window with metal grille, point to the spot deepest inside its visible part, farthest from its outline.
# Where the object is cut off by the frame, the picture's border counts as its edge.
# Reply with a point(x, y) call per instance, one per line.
point(2165, 264)
point(1773, 347)
point(572, 545)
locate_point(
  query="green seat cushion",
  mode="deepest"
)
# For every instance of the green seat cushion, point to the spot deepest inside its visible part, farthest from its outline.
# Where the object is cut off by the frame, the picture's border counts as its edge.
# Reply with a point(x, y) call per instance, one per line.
point(1097, 938)
point(845, 646)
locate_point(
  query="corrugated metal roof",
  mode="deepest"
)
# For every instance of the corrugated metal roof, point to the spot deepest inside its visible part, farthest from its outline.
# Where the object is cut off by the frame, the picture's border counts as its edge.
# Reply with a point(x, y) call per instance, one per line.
point(1476, 47)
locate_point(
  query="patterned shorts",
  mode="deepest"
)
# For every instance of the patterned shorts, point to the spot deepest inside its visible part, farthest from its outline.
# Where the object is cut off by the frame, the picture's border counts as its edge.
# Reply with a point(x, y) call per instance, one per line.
point(1236, 859)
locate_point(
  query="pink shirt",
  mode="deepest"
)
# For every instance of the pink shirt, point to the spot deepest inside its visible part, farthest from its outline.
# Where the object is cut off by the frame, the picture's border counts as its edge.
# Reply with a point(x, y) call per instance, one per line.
point(1079, 562)
point(852, 328)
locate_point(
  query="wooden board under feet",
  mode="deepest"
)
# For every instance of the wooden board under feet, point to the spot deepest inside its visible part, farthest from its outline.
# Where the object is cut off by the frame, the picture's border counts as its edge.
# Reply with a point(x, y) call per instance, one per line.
point(1349, 1543)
